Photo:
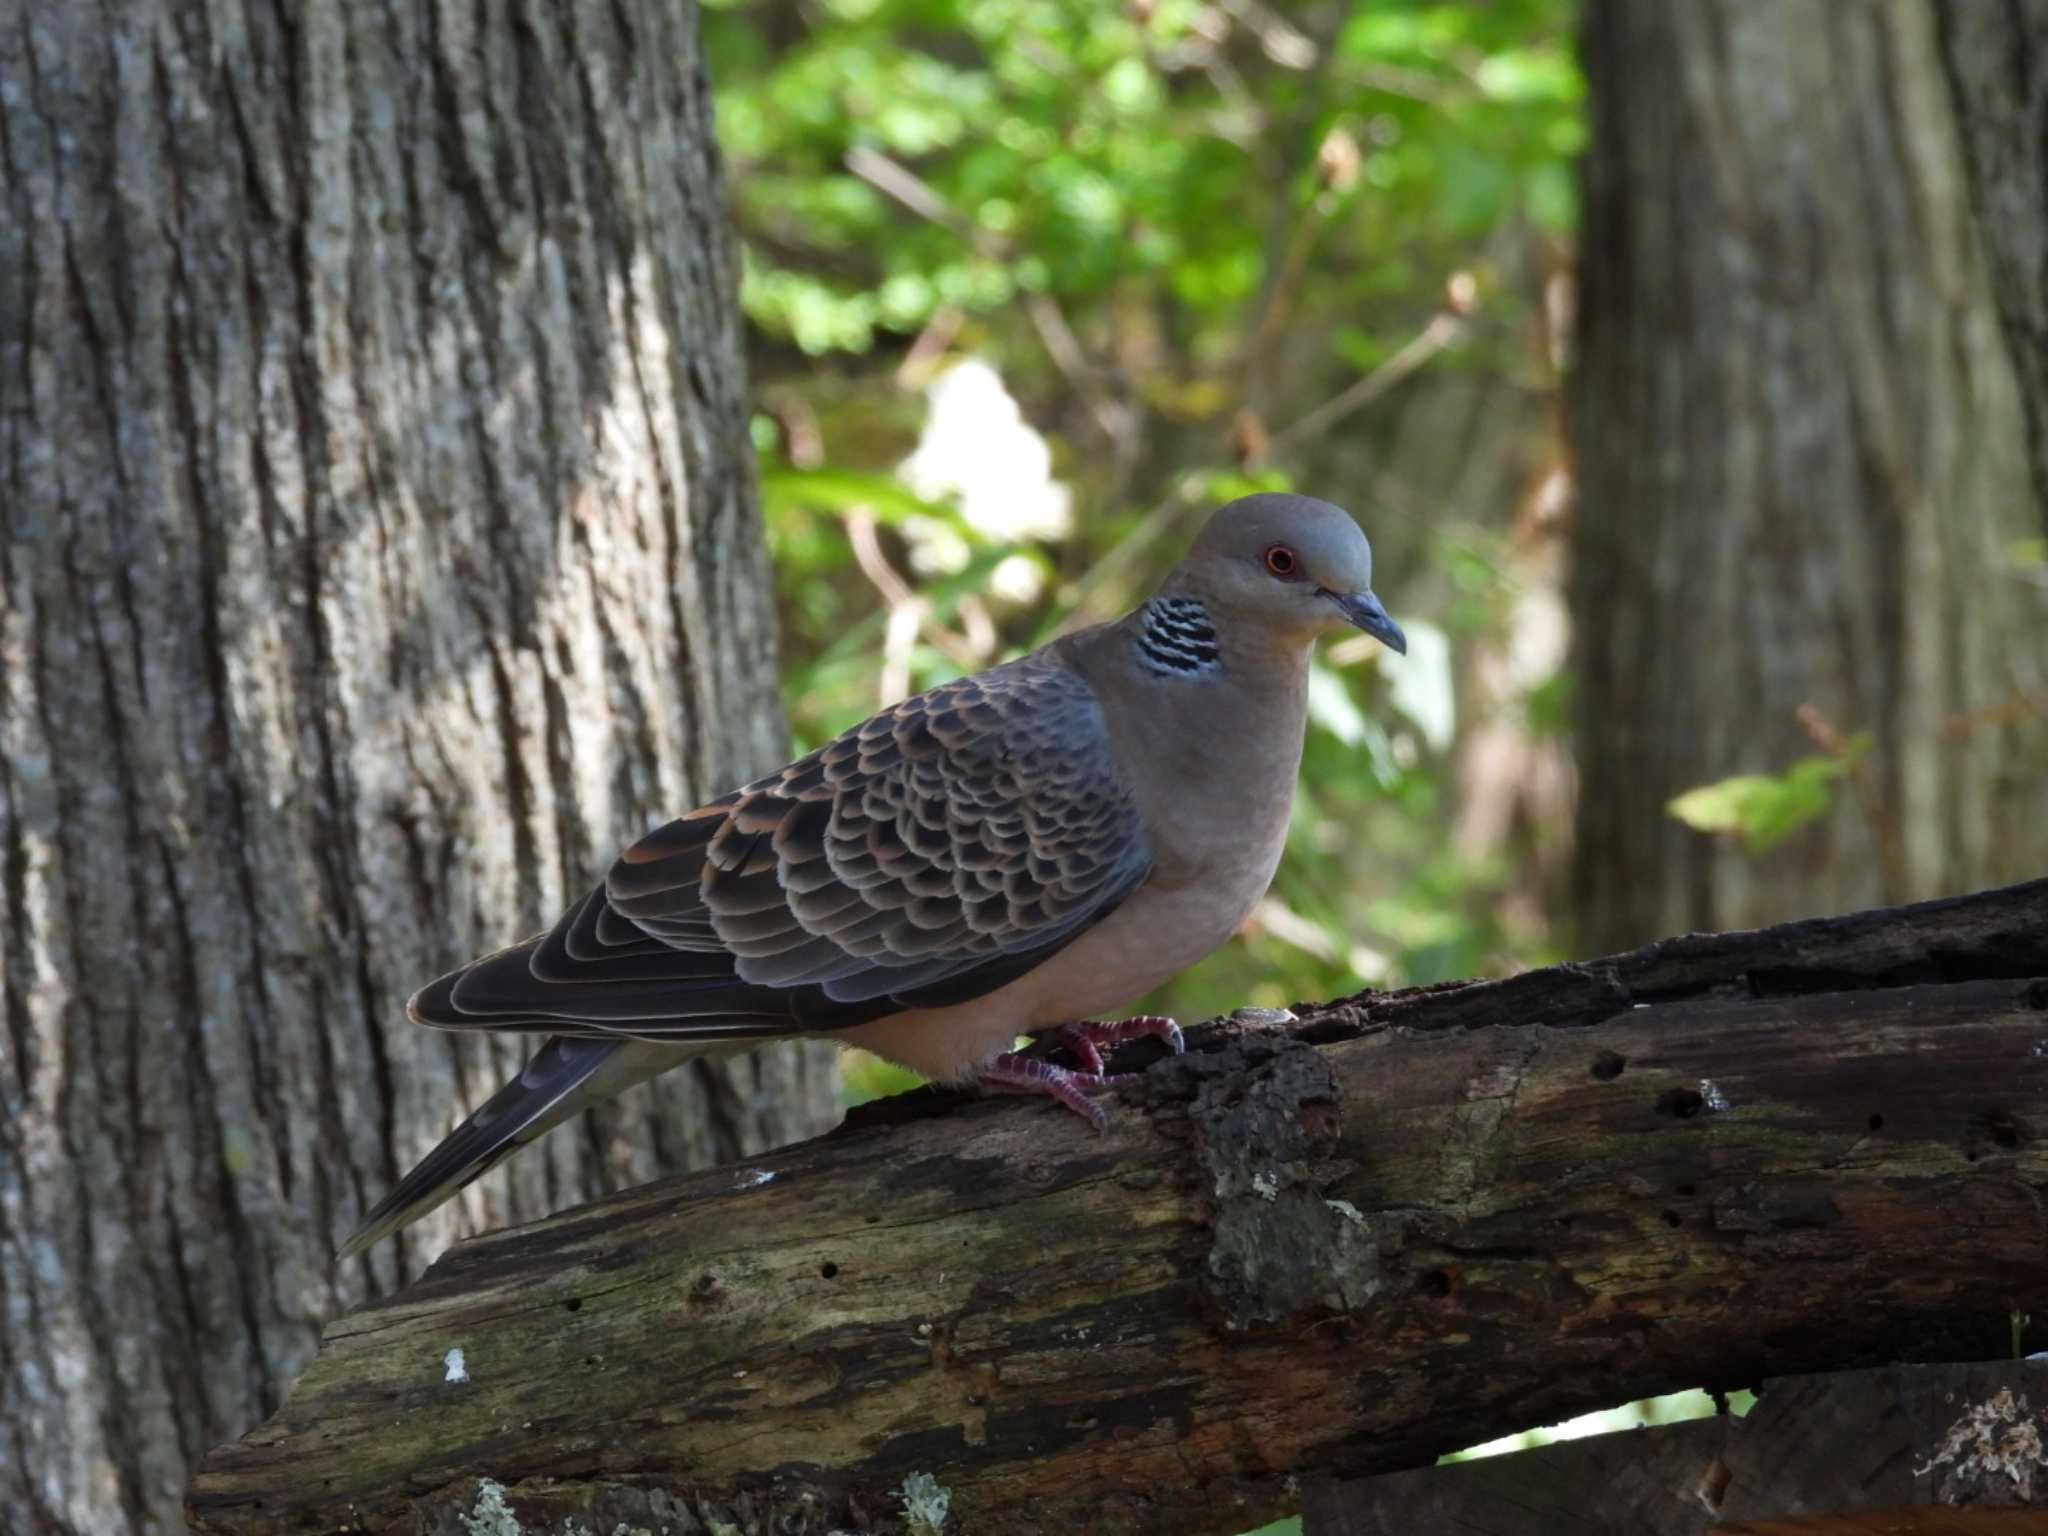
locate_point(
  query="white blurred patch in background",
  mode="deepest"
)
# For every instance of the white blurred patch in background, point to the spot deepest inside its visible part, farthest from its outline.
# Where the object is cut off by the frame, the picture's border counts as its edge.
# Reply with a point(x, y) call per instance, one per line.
point(977, 447)
point(1422, 685)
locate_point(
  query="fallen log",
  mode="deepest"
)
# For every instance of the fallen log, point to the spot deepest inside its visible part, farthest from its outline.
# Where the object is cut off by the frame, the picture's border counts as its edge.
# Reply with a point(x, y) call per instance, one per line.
point(1401, 1224)
point(1899, 1450)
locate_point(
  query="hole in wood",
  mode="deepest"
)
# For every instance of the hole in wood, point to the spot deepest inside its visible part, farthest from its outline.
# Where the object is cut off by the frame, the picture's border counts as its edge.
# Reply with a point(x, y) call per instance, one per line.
point(1680, 1103)
point(829, 1270)
point(573, 1304)
point(1436, 1283)
point(1673, 1219)
point(1608, 1064)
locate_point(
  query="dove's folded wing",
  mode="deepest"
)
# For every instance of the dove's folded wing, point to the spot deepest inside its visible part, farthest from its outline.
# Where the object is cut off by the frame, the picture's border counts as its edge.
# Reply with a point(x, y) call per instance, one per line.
point(924, 858)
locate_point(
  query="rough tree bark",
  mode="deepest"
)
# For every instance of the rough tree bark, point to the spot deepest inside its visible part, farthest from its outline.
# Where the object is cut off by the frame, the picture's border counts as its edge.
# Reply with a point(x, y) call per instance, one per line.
point(1802, 469)
point(379, 552)
point(1410, 1223)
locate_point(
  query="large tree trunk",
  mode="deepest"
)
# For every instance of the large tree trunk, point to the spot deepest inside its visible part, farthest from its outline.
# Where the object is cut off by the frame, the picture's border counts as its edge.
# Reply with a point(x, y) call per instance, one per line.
point(380, 552)
point(1802, 469)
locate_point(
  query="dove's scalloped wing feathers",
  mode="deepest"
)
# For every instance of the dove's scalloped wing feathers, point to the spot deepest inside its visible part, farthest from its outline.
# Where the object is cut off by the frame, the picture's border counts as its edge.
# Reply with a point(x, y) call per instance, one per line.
point(924, 858)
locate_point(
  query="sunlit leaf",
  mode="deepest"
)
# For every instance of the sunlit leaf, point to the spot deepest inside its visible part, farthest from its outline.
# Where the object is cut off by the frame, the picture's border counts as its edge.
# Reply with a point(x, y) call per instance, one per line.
point(1764, 809)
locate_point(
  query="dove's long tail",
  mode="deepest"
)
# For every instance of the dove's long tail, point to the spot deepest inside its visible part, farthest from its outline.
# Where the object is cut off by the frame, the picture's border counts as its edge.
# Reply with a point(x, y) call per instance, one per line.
point(564, 1077)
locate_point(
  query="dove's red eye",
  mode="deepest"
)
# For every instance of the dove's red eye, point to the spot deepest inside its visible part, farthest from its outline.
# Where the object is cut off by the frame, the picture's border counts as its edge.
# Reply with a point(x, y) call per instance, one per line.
point(1282, 562)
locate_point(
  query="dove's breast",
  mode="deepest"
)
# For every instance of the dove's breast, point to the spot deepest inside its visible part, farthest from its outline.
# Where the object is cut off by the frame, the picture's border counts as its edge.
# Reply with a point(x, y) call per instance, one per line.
point(1157, 933)
point(1211, 765)
point(1199, 894)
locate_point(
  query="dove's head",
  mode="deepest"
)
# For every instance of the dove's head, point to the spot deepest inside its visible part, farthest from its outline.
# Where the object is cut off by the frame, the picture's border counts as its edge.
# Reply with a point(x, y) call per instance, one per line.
point(1291, 563)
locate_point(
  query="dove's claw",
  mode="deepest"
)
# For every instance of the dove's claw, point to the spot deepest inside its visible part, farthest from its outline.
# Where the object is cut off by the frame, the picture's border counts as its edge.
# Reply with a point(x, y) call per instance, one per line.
point(1012, 1073)
point(1087, 1038)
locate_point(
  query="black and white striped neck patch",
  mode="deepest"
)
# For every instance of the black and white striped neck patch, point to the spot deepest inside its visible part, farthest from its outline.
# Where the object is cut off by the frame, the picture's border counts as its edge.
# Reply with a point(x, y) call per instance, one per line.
point(1177, 639)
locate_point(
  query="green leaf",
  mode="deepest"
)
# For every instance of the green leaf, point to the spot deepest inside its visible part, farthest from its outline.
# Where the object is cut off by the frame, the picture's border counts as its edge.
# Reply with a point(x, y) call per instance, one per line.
point(1765, 809)
point(843, 490)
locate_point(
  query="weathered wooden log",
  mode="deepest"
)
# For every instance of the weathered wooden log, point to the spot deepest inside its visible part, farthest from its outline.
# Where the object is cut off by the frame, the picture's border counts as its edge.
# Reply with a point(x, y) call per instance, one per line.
point(1407, 1223)
point(1901, 1450)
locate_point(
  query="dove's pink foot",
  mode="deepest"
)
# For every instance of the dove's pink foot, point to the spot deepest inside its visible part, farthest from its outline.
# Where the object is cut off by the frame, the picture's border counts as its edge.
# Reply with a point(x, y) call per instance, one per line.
point(1011, 1073)
point(1031, 1074)
point(1087, 1038)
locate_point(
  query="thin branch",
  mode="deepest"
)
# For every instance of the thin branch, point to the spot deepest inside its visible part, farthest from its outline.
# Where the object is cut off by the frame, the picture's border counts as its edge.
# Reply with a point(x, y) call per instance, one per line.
point(1280, 40)
point(1168, 511)
point(897, 180)
point(1289, 227)
point(922, 359)
point(909, 613)
point(1870, 799)
point(894, 179)
point(2014, 707)
point(1064, 348)
point(1433, 338)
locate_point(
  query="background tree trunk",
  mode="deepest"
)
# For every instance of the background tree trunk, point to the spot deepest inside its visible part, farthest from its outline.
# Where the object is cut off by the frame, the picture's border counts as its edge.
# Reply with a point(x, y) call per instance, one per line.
point(1802, 469)
point(1997, 58)
point(378, 537)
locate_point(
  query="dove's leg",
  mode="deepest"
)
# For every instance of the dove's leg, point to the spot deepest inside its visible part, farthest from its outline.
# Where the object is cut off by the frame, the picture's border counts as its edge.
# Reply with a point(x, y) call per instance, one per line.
point(1015, 1073)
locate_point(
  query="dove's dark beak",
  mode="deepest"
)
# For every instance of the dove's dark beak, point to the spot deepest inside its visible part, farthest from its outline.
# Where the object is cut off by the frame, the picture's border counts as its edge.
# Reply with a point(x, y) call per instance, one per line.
point(1364, 610)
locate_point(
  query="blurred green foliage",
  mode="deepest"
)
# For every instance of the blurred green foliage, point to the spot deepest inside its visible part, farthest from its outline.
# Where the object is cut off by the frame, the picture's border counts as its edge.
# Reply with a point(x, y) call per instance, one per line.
point(1085, 150)
point(1177, 231)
